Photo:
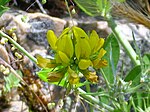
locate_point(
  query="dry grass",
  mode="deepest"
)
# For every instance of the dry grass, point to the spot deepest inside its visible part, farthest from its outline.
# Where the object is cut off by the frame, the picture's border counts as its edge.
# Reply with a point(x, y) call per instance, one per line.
point(133, 11)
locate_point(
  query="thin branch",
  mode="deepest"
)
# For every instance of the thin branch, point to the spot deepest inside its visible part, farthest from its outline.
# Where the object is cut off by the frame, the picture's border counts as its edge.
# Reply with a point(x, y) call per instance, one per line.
point(41, 7)
point(18, 46)
point(94, 100)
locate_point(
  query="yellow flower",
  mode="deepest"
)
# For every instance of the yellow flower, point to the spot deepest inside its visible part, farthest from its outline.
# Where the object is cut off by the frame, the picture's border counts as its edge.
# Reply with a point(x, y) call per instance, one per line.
point(74, 48)
point(63, 46)
point(73, 77)
point(64, 60)
point(82, 47)
point(45, 63)
point(51, 38)
point(91, 76)
point(84, 64)
point(55, 76)
point(95, 42)
point(99, 62)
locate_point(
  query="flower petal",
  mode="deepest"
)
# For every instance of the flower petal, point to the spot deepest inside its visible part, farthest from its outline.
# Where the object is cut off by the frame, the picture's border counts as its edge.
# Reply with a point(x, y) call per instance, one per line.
point(65, 60)
point(84, 64)
point(100, 63)
point(102, 52)
point(65, 45)
point(51, 38)
point(65, 31)
point(91, 76)
point(82, 49)
point(94, 38)
point(45, 63)
point(69, 49)
point(99, 44)
point(55, 76)
point(73, 77)
point(79, 33)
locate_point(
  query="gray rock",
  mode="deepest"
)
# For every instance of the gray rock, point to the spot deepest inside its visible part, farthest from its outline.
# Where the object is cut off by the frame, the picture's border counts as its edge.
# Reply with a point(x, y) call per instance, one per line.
point(90, 23)
point(142, 38)
point(31, 27)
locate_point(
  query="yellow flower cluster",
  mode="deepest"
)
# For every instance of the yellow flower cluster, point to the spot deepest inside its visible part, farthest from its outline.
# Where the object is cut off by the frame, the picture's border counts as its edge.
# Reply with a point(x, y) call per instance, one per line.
point(75, 52)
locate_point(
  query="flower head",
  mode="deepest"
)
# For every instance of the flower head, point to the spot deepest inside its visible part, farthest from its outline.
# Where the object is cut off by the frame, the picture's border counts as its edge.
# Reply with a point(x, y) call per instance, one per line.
point(75, 52)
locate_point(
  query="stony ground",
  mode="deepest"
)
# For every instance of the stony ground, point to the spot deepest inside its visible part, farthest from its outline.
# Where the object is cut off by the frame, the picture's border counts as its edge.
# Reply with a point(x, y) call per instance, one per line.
point(31, 35)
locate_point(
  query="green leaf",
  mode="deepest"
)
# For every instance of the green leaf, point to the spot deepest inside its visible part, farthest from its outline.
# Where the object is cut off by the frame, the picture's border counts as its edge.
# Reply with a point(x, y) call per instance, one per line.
point(102, 96)
point(112, 56)
point(83, 83)
point(146, 62)
point(146, 59)
point(94, 7)
point(104, 6)
point(121, 0)
point(2, 6)
point(89, 6)
point(43, 74)
point(12, 81)
point(134, 75)
point(3, 9)
point(4, 2)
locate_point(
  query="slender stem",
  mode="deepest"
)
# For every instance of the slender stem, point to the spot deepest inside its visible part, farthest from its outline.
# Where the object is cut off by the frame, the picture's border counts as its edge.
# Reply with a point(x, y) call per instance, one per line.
point(134, 89)
point(88, 90)
point(105, 78)
point(69, 12)
point(91, 104)
point(19, 47)
point(41, 7)
point(94, 100)
point(122, 39)
point(133, 104)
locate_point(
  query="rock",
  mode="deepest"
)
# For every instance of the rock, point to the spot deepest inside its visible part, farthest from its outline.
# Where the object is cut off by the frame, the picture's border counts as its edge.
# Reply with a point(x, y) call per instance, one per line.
point(142, 38)
point(31, 27)
point(127, 28)
point(4, 54)
point(103, 29)
point(90, 23)
point(17, 106)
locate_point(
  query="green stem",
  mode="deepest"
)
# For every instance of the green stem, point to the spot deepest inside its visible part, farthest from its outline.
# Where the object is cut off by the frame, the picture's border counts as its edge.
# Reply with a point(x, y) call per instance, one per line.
point(133, 104)
point(88, 90)
point(105, 78)
point(2, 34)
point(134, 89)
point(94, 100)
point(69, 12)
point(122, 39)
point(100, 109)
